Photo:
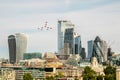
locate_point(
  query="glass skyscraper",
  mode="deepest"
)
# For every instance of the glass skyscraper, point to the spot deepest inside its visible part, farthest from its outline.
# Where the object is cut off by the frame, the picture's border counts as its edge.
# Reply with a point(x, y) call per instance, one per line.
point(12, 48)
point(100, 50)
point(90, 48)
point(69, 40)
point(62, 26)
point(17, 46)
point(78, 46)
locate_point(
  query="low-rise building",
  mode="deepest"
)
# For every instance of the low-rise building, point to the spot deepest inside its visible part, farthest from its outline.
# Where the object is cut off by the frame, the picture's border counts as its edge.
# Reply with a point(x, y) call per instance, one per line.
point(32, 55)
point(7, 74)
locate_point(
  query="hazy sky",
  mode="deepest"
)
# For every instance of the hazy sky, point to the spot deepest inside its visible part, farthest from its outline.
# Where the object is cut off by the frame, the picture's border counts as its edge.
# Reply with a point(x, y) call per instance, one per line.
point(91, 18)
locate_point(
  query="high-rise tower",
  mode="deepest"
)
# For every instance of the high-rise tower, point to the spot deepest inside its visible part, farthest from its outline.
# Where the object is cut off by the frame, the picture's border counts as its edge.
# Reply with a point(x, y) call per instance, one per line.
point(62, 26)
point(90, 48)
point(12, 48)
point(100, 50)
point(17, 47)
point(69, 40)
point(78, 46)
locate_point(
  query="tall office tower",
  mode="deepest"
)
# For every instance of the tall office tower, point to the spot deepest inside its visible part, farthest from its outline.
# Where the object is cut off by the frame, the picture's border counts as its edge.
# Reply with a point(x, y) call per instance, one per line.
point(83, 53)
point(62, 25)
point(69, 40)
point(109, 54)
point(100, 50)
point(12, 48)
point(90, 48)
point(78, 46)
point(17, 47)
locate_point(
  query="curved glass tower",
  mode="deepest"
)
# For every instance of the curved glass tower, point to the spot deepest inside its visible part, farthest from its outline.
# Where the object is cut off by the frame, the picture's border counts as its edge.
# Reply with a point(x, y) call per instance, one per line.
point(21, 45)
point(100, 50)
point(17, 47)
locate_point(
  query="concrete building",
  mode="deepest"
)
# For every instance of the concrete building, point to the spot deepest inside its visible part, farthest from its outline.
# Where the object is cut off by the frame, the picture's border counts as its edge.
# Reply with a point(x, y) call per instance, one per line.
point(50, 57)
point(36, 74)
point(70, 73)
point(7, 74)
point(62, 26)
point(17, 72)
point(118, 74)
point(35, 62)
point(17, 47)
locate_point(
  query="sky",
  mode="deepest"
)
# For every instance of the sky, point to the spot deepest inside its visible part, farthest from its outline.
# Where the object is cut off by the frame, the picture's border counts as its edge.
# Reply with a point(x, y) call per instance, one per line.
point(91, 18)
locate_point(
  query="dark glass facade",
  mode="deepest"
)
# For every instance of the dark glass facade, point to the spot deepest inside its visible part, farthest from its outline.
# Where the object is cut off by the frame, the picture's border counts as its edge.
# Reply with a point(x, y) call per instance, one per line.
point(78, 47)
point(12, 48)
point(69, 39)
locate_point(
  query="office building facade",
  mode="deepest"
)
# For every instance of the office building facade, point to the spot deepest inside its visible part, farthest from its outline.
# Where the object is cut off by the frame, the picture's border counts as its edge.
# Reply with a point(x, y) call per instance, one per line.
point(90, 48)
point(12, 48)
point(62, 26)
point(78, 45)
point(69, 39)
point(83, 53)
point(17, 47)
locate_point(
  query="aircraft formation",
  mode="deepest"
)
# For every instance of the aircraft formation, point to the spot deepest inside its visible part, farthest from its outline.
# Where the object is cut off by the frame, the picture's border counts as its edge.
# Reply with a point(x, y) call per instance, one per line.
point(45, 27)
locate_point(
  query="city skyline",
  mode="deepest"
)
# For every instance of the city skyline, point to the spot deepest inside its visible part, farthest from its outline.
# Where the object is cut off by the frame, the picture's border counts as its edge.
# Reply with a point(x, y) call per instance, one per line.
point(91, 18)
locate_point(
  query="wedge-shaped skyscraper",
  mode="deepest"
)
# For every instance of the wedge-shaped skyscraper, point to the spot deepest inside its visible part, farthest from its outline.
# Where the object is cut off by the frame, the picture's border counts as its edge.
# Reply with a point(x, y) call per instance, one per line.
point(17, 47)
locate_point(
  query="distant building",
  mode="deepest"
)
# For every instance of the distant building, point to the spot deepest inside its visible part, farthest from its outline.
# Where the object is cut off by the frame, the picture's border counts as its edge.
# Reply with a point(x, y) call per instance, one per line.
point(7, 74)
point(17, 47)
point(100, 50)
point(32, 55)
point(78, 45)
point(109, 54)
point(16, 73)
point(90, 48)
point(32, 63)
point(83, 53)
point(69, 39)
point(12, 48)
point(62, 26)
point(50, 57)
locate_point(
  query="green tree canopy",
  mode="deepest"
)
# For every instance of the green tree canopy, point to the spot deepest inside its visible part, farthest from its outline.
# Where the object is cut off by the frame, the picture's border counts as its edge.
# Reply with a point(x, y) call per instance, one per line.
point(100, 77)
point(27, 76)
point(110, 73)
point(89, 74)
point(109, 70)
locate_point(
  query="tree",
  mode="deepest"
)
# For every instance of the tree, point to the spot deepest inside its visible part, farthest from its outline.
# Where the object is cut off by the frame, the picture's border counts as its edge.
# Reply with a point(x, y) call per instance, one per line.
point(110, 73)
point(50, 78)
point(89, 74)
point(27, 76)
point(100, 77)
point(60, 74)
